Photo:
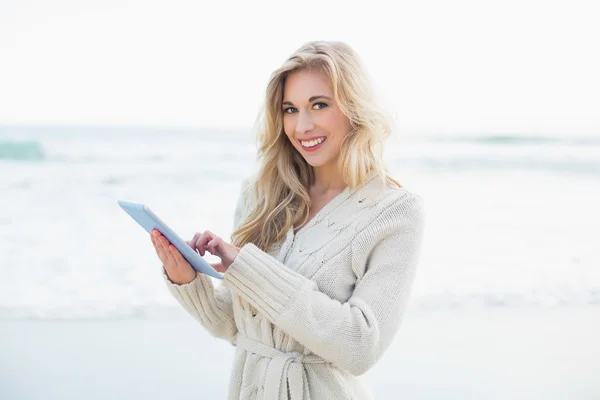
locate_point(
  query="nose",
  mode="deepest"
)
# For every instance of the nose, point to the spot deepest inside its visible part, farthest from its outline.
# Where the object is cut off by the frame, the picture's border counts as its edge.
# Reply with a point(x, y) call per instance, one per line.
point(304, 123)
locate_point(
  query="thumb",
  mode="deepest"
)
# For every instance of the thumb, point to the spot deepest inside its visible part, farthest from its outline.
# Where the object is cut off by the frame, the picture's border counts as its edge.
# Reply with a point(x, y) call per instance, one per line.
point(218, 266)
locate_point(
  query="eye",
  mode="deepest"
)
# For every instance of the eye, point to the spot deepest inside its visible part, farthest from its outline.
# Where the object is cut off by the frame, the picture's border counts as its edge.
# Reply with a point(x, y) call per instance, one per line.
point(319, 106)
point(290, 110)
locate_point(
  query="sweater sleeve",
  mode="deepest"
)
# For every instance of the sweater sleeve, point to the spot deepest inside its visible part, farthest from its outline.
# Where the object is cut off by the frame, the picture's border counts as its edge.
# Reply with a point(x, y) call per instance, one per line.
point(353, 334)
point(210, 304)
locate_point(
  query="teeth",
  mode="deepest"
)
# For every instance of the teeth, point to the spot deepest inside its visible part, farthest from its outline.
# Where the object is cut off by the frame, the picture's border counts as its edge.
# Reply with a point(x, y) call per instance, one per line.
point(312, 143)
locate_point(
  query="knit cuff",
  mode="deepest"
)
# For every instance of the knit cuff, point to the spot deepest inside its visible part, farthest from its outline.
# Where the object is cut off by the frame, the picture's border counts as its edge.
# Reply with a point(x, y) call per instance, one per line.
point(263, 281)
point(200, 285)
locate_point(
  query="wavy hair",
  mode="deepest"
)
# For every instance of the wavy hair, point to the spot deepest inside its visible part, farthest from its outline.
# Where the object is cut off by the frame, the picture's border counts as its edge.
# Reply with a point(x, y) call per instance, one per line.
point(281, 188)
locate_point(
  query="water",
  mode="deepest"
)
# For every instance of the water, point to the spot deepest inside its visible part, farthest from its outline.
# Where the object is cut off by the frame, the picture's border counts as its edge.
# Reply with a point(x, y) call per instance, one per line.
point(512, 221)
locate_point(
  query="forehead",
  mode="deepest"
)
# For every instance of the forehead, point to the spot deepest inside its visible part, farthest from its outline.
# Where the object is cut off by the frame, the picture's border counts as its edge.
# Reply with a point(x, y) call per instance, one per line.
point(305, 83)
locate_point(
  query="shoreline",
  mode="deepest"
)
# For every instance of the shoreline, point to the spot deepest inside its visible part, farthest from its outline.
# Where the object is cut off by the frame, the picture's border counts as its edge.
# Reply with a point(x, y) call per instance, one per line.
point(463, 354)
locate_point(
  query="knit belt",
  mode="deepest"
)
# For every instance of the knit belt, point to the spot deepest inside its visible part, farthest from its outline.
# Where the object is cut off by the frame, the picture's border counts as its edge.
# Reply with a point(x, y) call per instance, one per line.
point(282, 367)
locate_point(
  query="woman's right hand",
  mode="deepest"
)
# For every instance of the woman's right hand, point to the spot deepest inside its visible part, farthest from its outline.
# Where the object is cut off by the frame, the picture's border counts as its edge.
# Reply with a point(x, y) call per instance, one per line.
point(177, 268)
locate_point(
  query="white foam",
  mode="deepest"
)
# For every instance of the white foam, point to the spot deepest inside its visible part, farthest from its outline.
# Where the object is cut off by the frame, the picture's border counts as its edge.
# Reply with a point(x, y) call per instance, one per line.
point(494, 237)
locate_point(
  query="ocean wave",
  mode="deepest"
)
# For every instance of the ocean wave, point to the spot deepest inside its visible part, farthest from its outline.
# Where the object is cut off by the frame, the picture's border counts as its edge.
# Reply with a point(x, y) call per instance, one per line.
point(29, 150)
point(518, 139)
point(506, 163)
point(533, 299)
point(445, 302)
point(89, 312)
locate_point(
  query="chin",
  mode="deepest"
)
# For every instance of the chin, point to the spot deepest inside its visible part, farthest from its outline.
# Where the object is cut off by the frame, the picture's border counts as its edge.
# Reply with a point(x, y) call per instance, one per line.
point(314, 165)
point(316, 162)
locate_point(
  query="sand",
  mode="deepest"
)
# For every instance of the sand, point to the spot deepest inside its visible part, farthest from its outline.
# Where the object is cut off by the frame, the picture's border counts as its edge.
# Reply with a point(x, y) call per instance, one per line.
point(476, 354)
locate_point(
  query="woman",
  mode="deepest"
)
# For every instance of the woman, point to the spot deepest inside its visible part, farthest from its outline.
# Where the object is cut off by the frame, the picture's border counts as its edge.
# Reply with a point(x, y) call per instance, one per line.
point(326, 243)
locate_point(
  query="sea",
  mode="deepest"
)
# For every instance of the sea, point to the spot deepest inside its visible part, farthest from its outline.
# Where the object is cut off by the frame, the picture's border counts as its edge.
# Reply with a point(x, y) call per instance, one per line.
point(512, 220)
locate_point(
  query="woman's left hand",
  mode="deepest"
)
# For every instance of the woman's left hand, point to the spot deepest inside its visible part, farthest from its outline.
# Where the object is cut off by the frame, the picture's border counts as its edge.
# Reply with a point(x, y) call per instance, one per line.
point(208, 241)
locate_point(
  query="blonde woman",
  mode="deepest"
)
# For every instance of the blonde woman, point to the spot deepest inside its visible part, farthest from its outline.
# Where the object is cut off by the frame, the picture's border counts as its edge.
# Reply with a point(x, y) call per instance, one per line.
point(325, 245)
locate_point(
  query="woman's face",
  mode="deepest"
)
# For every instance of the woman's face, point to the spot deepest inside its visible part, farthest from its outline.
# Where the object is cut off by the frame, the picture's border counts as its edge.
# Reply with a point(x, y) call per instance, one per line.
point(312, 120)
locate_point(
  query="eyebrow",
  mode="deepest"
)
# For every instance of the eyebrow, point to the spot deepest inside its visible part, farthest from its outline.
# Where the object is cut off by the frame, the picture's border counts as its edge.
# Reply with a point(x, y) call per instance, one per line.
point(309, 100)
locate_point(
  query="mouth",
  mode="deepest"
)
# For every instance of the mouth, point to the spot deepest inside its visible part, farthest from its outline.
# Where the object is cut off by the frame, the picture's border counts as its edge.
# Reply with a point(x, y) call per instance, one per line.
point(313, 144)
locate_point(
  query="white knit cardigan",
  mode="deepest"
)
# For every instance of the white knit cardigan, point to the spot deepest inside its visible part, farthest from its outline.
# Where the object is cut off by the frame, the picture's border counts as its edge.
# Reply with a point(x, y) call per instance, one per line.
point(320, 309)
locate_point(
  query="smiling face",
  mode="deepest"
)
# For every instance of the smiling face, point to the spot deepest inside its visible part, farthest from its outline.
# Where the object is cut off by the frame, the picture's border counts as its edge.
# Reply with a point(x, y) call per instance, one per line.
point(312, 120)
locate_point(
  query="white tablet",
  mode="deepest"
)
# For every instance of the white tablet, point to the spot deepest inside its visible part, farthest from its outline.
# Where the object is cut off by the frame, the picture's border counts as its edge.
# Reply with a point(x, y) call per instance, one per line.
point(148, 220)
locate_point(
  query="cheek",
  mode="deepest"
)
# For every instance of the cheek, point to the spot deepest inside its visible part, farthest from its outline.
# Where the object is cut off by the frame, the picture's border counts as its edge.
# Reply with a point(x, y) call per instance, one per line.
point(288, 127)
point(344, 122)
point(339, 124)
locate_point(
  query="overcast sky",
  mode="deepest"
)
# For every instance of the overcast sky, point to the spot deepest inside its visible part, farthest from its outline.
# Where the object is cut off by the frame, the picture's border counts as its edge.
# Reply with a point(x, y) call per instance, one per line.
point(440, 66)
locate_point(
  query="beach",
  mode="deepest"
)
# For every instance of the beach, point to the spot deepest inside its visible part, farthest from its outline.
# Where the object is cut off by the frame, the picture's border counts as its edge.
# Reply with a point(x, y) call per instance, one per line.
point(493, 126)
point(505, 303)
point(528, 354)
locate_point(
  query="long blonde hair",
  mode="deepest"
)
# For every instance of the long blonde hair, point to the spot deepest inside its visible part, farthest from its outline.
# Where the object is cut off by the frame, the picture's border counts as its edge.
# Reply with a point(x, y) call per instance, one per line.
point(281, 190)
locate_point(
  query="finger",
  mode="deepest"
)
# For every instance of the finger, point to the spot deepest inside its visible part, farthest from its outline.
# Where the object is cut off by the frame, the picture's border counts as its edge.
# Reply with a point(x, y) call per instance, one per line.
point(219, 248)
point(192, 243)
point(157, 248)
point(213, 245)
point(218, 267)
point(165, 250)
point(215, 241)
point(177, 256)
point(203, 240)
point(155, 235)
point(160, 251)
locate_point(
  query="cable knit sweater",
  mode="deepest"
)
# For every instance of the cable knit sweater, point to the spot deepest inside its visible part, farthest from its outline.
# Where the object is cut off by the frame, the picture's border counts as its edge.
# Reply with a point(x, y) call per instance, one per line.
point(317, 311)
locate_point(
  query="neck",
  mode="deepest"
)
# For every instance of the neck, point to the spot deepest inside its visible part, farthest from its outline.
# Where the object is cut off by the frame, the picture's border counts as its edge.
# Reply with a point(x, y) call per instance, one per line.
point(328, 178)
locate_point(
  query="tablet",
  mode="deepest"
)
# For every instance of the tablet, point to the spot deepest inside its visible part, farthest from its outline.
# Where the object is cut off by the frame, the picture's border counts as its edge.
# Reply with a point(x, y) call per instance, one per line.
point(148, 220)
